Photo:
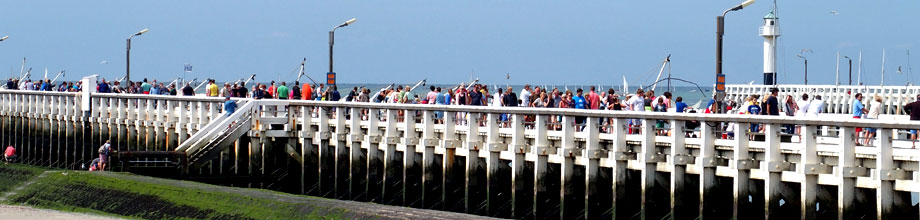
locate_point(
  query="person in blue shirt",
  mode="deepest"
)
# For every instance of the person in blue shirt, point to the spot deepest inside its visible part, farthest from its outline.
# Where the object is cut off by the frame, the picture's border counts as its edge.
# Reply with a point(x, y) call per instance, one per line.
point(579, 103)
point(229, 106)
point(858, 111)
point(679, 106)
point(579, 100)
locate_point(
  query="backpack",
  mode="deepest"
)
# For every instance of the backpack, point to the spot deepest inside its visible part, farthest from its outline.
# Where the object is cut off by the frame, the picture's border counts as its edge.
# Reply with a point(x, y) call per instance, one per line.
point(104, 150)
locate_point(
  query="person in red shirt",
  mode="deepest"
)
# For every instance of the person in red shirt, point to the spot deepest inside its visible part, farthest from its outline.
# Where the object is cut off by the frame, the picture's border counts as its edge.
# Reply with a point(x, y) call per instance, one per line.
point(9, 154)
point(271, 91)
point(594, 100)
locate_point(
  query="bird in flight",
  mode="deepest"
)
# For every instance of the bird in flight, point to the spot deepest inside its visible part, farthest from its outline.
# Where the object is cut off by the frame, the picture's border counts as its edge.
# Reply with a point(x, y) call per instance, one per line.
point(834, 12)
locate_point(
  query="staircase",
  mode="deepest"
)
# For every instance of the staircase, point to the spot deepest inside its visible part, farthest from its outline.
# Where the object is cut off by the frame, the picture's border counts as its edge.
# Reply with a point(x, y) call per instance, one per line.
point(217, 136)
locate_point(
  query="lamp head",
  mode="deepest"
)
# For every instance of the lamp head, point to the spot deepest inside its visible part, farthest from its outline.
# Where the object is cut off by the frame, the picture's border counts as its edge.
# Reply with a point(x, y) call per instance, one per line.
point(800, 56)
point(747, 3)
point(348, 22)
point(4, 38)
point(141, 32)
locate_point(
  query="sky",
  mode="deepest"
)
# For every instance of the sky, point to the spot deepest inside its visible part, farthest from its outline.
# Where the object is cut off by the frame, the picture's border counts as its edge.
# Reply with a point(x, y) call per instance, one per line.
point(593, 42)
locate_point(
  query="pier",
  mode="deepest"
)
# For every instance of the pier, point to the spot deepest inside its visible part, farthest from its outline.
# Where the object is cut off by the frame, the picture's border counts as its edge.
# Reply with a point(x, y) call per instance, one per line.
point(471, 160)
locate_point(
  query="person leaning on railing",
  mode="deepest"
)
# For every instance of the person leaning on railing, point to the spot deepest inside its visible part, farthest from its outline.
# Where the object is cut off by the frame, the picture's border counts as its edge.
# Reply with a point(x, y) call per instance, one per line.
point(913, 109)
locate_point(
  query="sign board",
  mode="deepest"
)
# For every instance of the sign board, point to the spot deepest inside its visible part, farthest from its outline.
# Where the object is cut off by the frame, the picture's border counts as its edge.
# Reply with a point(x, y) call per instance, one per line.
point(330, 78)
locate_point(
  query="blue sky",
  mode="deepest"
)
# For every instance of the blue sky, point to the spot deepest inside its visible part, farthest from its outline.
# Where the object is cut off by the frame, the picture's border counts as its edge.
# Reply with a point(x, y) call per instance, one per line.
point(542, 42)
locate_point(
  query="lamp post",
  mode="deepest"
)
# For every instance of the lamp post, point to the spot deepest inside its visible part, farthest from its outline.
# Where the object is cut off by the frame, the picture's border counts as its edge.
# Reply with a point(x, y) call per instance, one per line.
point(720, 30)
point(806, 67)
point(850, 61)
point(330, 76)
point(128, 54)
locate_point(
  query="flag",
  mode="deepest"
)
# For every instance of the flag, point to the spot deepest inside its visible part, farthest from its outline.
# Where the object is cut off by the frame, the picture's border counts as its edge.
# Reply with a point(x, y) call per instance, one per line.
point(188, 68)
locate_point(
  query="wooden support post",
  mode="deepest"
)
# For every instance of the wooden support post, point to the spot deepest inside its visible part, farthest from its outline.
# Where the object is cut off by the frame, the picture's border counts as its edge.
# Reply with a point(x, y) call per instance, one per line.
point(358, 161)
point(744, 208)
point(393, 176)
point(651, 207)
point(522, 178)
point(890, 204)
point(412, 178)
point(846, 190)
point(497, 193)
point(598, 200)
point(572, 202)
point(544, 199)
point(342, 158)
point(431, 171)
point(811, 167)
point(475, 194)
point(708, 187)
point(454, 193)
point(326, 168)
point(683, 198)
point(374, 157)
point(776, 190)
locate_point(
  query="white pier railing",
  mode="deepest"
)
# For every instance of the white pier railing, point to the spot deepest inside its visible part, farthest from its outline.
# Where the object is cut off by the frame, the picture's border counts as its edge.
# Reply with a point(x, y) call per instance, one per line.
point(837, 99)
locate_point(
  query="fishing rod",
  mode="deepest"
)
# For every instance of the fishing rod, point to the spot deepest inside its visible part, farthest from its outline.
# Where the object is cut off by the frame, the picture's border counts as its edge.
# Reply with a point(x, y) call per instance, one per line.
point(303, 73)
point(202, 84)
point(678, 79)
point(253, 77)
point(60, 74)
point(420, 83)
point(468, 86)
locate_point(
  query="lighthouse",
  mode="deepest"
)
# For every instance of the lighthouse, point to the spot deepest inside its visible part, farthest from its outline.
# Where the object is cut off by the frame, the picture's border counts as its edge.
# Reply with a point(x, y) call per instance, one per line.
point(769, 31)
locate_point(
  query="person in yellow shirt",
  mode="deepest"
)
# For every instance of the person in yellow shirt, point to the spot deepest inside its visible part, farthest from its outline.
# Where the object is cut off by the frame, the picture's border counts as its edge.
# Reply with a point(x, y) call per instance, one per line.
point(212, 89)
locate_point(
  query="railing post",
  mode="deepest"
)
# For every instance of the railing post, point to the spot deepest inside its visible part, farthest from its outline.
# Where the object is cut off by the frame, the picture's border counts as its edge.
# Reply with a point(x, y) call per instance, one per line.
point(182, 124)
point(309, 178)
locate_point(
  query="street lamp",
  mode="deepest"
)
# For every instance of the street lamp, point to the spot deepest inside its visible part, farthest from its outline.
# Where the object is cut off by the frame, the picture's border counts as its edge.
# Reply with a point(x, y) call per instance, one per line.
point(850, 61)
point(128, 54)
point(720, 30)
point(330, 76)
point(806, 67)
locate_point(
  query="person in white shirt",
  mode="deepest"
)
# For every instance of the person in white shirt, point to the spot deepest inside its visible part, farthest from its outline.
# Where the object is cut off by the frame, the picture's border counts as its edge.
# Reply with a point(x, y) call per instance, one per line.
point(874, 108)
point(815, 107)
point(636, 103)
point(525, 95)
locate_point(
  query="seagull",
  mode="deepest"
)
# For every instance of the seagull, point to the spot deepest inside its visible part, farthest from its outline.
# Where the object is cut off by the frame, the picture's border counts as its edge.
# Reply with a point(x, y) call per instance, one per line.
point(807, 51)
point(834, 12)
point(104, 62)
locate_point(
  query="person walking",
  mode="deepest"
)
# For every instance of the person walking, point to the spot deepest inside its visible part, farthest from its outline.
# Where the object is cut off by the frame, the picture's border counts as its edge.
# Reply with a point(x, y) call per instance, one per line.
point(858, 110)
